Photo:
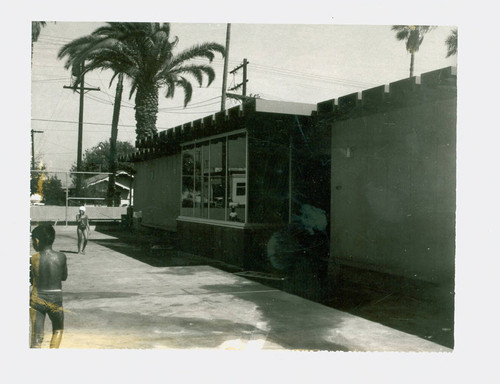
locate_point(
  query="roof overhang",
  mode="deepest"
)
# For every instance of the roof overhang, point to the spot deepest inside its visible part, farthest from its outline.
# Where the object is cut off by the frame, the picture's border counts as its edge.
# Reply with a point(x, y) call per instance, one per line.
point(284, 107)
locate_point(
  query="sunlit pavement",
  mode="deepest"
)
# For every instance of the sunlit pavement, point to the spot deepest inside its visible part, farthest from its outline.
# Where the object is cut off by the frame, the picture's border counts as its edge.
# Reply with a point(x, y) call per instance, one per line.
point(114, 301)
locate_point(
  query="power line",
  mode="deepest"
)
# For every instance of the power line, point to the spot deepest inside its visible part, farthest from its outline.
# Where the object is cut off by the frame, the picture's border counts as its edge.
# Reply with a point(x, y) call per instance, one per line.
point(278, 70)
point(123, 102)
point(292, 73)
point(194, 113)
point(106, 93)
point(49, 36)
point(86, 123)
point(312, 76)
point(191, 106)
point(51, 80)
point(199, 104)
point(103, 101)
point(59, 145)
point(76, 122)
point(274, 71)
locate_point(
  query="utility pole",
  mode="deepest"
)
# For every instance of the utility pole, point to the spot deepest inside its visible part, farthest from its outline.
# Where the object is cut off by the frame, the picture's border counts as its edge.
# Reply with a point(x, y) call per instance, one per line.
point(33, 148)
point(244, 92)
point(81, 91)
point(245, 80)
point(226, 60)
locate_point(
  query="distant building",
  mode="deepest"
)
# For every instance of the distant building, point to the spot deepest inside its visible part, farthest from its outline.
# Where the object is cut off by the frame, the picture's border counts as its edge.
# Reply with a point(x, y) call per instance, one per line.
point(96, 186)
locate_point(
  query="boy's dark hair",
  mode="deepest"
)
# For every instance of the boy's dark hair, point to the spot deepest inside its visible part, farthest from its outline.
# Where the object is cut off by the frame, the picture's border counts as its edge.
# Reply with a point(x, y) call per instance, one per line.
point(45, 234)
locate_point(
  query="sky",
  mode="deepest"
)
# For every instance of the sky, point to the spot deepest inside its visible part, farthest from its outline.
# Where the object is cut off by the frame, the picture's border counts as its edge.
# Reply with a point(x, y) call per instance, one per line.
point(306, 63)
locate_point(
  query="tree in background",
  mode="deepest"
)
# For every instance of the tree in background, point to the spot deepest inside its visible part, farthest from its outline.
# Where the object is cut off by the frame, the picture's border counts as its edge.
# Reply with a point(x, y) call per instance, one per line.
point(53, 192)
point(452, 43)
point(36, 28)
point(96, 159)
point(37, 179)
point(49, 187)
point(413, 35)
point(144, 53)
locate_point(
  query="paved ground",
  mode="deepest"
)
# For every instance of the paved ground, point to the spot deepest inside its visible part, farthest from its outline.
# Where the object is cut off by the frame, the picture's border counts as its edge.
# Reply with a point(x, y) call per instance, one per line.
point(122, 295)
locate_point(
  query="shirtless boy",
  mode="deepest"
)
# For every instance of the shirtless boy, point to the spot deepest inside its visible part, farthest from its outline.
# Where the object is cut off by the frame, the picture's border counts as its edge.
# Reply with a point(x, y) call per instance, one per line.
point(47, 271)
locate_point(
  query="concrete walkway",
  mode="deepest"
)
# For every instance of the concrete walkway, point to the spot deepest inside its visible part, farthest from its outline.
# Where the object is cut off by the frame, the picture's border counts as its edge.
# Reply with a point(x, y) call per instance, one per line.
point(115, 301)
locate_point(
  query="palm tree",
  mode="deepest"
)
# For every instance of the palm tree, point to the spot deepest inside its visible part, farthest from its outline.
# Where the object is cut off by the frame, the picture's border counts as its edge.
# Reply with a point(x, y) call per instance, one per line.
point(36, 28)
point(413, 35)
point(452, 43)
point(143, 52)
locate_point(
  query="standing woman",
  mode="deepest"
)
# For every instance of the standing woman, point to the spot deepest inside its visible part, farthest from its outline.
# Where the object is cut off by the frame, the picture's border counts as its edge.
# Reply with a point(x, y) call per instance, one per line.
point(82, 229)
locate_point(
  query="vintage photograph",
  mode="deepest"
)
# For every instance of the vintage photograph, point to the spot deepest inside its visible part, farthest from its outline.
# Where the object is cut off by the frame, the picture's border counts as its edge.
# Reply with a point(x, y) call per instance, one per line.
point(243, 186)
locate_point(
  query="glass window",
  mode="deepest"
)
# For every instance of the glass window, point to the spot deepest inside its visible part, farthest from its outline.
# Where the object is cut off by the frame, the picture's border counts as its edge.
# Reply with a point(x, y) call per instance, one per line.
point(201, 174)
point(214, 179)
point(218, 179)
point(187, 194)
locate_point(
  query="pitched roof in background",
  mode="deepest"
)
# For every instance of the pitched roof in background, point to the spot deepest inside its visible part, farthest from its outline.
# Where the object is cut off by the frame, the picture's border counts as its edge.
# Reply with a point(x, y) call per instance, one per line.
point(96, 179)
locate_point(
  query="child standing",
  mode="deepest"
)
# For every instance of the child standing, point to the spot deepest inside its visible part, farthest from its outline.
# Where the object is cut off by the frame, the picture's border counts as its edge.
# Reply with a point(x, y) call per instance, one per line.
point(82, 229)
point(48, 270)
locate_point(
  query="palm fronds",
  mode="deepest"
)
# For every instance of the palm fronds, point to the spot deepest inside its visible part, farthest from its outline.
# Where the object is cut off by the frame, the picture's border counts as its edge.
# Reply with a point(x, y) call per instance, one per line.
point(452, 43)
point(144, 53)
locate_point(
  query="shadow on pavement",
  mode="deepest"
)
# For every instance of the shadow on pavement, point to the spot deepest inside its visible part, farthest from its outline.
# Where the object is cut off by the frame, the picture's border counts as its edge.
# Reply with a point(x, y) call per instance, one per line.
point(431, 319)
point(197, 333)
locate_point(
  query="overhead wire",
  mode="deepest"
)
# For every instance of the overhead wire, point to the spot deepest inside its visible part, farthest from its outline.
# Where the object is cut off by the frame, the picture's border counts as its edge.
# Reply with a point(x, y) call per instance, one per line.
point(76, 122)
point(191, 108)
point(302, 74)
point(51, 80)
point(283, 72)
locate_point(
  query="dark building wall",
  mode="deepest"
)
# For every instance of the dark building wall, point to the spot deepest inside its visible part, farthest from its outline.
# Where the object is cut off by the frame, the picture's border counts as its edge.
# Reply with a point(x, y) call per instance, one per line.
point(213, 241)
point(157, 191)
point(268, 164)
point(299, 250)
point(311, 161)
point(393, 191)
point(242, 247)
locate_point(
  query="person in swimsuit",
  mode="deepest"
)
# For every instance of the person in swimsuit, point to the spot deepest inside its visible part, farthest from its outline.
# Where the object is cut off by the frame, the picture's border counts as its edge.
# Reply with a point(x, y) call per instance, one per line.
point(48, 269)
point(82, 229)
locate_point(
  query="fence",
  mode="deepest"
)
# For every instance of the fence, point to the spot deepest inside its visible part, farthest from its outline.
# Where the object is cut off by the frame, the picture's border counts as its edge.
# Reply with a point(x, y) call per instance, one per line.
point(56, 196)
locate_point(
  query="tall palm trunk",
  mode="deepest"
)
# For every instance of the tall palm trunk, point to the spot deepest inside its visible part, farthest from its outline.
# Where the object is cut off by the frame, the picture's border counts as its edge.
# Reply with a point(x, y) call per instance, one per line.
point(112, 141)
point(412, 64)
point(146, 110)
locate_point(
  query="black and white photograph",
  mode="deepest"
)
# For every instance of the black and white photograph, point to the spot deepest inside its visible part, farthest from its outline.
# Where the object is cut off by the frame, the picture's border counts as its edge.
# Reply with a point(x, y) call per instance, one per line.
point(232, 185)
point(228, 192)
